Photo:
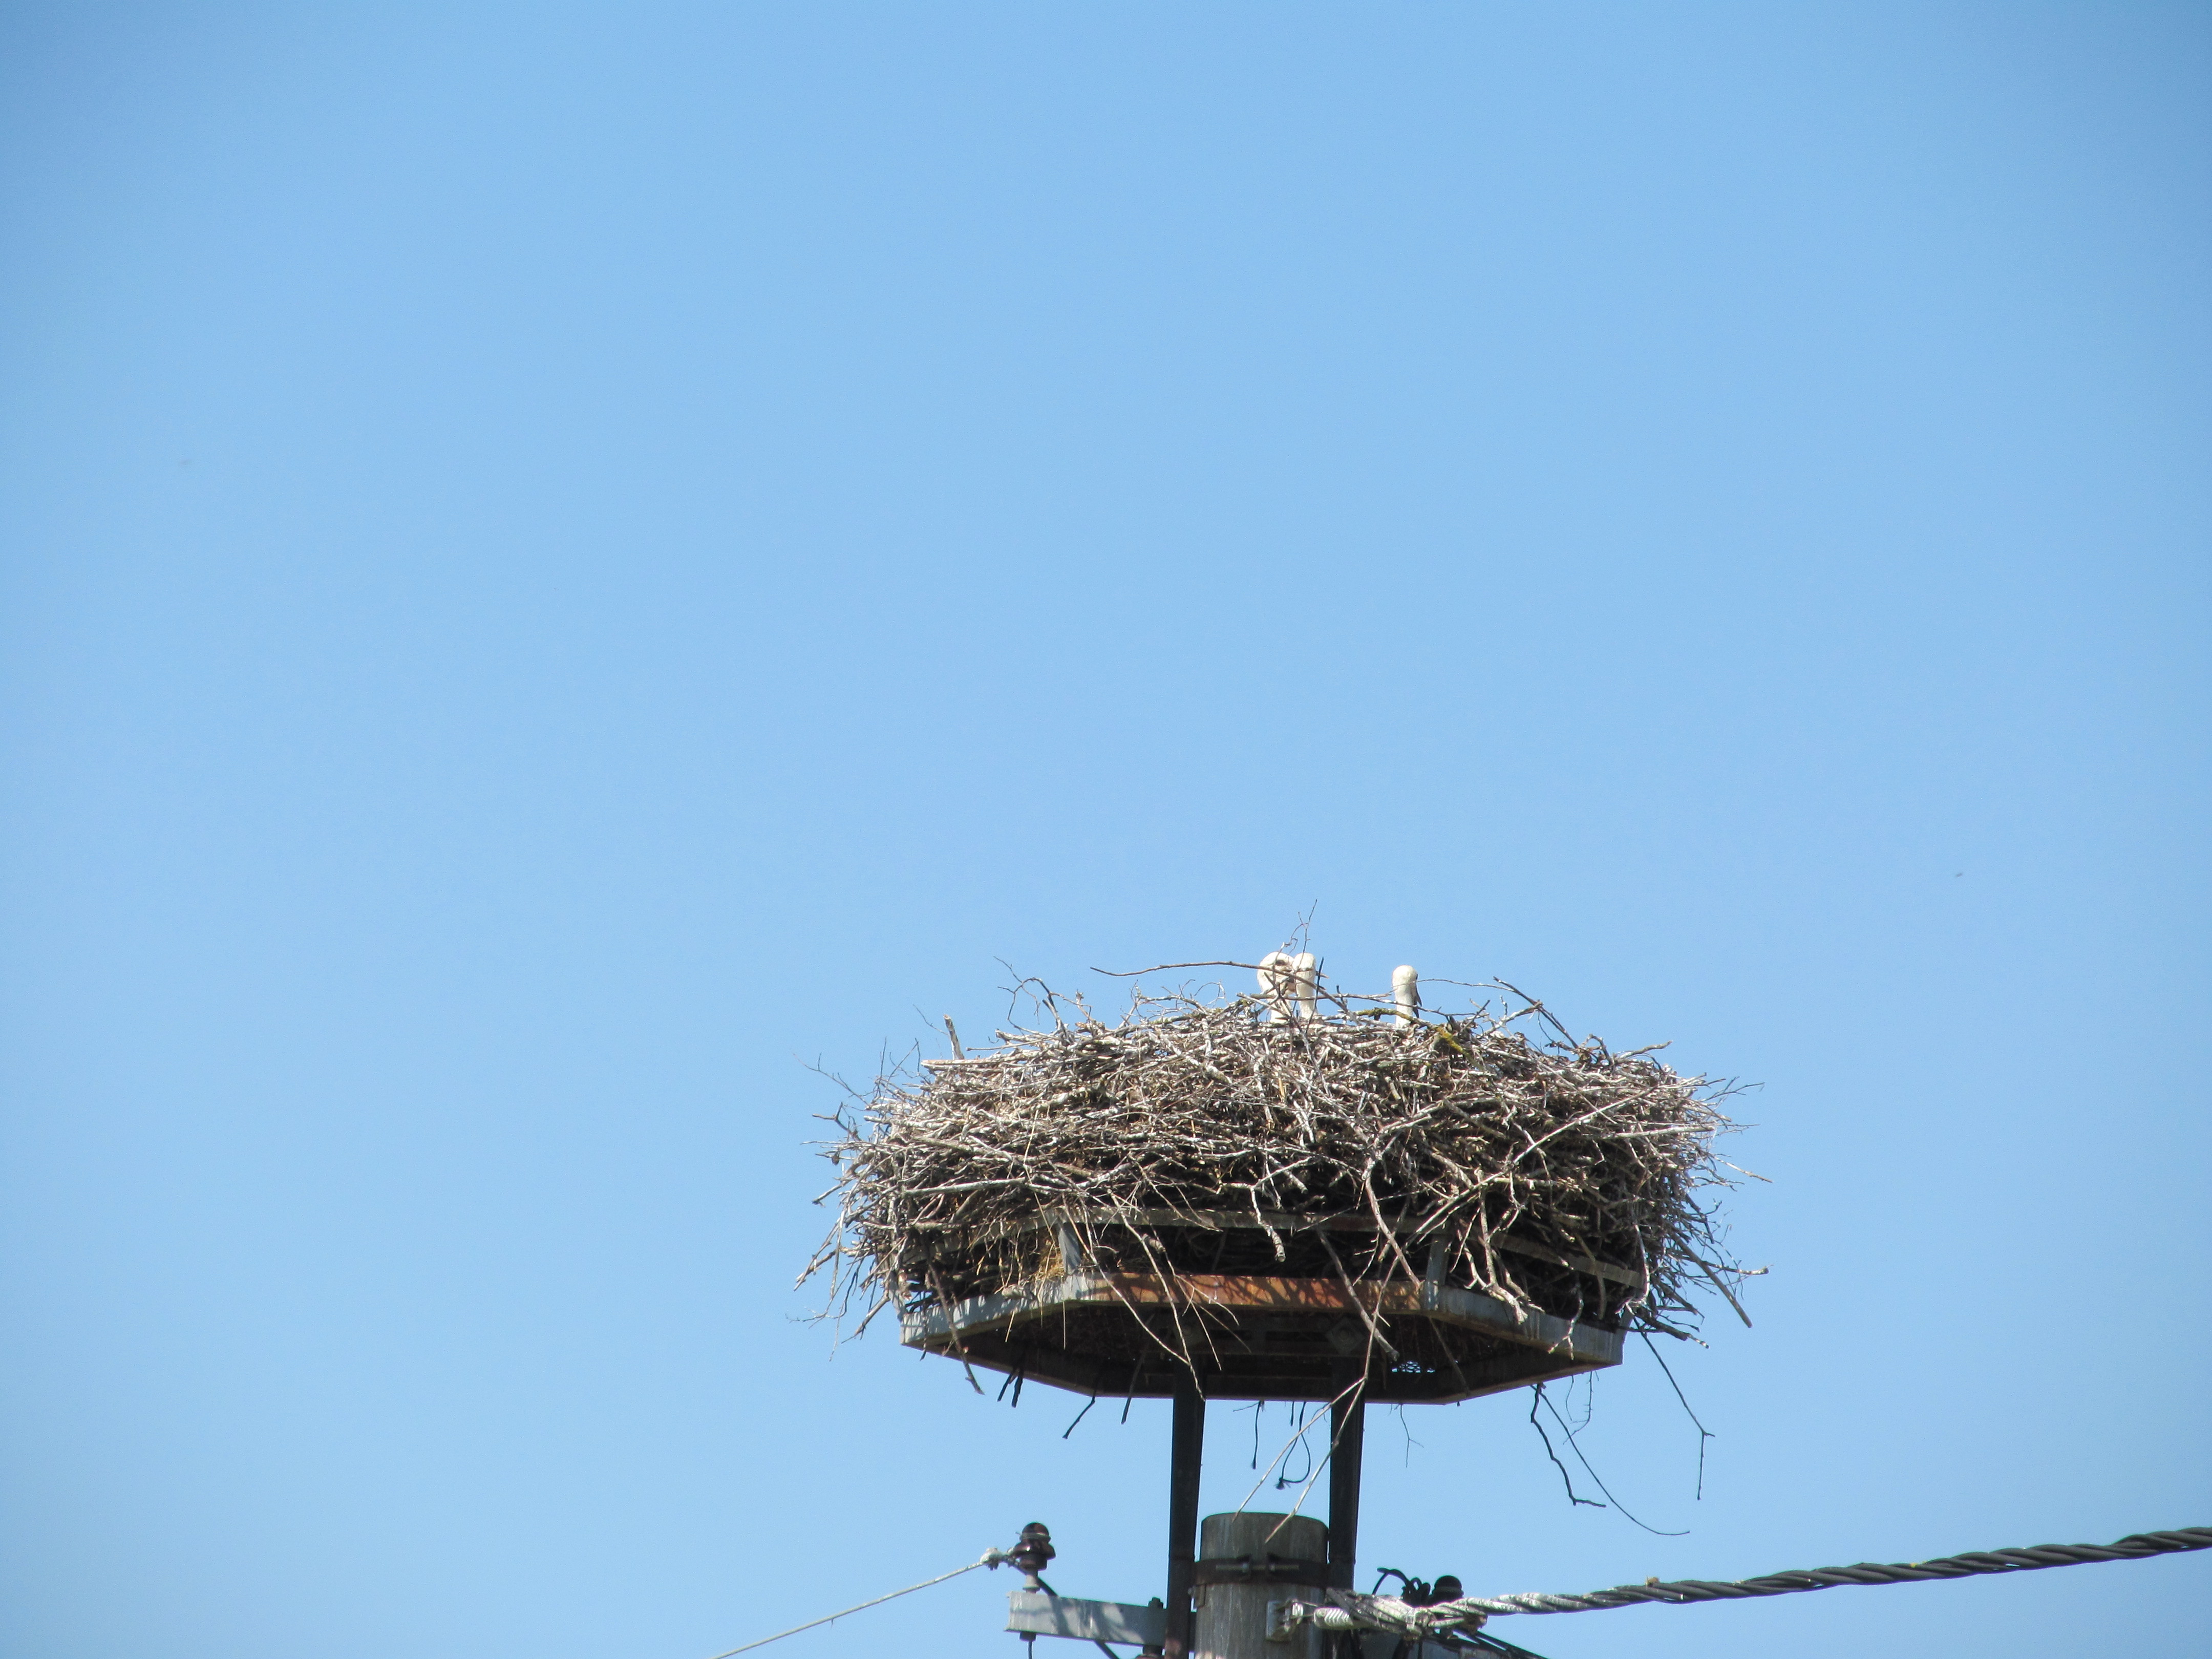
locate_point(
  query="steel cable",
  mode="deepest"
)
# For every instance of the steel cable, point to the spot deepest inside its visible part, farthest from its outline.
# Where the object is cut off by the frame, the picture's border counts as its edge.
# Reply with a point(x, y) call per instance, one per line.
point(988, 1558)
point(1387, 1613)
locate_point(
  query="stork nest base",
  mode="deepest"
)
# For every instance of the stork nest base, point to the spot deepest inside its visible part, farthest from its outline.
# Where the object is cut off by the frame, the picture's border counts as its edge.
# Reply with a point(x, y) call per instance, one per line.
point(1257, 1336)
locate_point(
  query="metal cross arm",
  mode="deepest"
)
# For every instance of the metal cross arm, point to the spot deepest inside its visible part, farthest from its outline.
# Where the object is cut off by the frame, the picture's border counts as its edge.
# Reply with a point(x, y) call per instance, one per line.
point(1040, 1613)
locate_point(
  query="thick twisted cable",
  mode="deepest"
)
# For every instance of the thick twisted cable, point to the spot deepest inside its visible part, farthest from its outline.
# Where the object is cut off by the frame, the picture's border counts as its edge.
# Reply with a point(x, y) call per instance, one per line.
point(2135, 1547)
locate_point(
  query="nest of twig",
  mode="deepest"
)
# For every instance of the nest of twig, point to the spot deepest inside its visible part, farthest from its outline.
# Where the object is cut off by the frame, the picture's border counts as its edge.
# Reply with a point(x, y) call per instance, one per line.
point(1489, 1148)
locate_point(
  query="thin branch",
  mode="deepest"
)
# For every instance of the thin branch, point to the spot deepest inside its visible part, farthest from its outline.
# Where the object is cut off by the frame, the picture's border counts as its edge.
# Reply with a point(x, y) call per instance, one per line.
point(1573, 1497)
point(1704, 1433)
point(1574, 1447)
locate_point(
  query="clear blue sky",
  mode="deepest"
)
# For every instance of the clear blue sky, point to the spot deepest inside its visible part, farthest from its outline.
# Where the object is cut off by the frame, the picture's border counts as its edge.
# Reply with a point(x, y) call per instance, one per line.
point(566, 564)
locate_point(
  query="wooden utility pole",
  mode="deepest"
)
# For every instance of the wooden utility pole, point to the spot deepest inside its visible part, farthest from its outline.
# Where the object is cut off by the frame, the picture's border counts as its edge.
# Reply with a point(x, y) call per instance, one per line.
point(1246, 1561)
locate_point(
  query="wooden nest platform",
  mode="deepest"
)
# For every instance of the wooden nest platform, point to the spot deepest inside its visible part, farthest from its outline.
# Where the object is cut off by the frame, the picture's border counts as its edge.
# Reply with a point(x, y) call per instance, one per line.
point(1262, 1335)
point(1280, 1200)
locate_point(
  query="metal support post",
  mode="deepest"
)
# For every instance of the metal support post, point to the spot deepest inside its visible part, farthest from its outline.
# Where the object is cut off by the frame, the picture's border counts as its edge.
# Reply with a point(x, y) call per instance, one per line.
point(1187, 1451)
point(1347, 1430)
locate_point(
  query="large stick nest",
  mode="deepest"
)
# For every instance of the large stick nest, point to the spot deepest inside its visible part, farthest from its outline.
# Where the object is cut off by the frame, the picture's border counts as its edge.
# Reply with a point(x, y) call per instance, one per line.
point(1527, 1155)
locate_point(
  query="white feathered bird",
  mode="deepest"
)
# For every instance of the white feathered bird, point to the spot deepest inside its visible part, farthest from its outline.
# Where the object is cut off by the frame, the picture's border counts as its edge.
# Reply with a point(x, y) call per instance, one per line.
point(1405, 992)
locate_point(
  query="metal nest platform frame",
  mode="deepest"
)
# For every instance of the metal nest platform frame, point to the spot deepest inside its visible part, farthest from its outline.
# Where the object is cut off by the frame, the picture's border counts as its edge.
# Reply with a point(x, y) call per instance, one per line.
point(1105, 1332)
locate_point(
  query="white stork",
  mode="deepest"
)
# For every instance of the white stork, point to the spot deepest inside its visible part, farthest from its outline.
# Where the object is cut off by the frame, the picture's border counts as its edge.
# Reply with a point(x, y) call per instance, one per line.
point(1405, 992)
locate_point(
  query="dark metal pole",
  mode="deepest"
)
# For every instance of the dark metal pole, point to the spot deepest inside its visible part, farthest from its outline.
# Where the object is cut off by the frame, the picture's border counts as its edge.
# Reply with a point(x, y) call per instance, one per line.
point(1187, 1451)
point(1347, 1432)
